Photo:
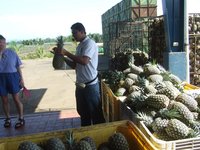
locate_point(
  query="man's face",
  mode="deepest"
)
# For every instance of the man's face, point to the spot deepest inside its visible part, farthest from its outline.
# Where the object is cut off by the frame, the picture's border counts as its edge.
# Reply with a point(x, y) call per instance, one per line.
point(78, 35)
point(2, 44)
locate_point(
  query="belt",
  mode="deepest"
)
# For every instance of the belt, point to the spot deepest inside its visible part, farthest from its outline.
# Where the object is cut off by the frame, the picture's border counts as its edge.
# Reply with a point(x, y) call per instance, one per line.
point(91, 80)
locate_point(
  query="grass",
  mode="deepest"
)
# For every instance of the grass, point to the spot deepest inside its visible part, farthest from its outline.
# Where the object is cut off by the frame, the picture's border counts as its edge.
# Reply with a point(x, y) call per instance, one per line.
point(42, 51)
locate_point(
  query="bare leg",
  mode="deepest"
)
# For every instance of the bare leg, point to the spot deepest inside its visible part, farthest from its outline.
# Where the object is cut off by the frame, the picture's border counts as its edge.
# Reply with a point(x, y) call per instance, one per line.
point(6, 106)
point(18, 104)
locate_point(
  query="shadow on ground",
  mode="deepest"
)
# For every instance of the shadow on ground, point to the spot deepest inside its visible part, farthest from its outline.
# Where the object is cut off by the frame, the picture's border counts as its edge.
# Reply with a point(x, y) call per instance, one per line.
point(30, 104)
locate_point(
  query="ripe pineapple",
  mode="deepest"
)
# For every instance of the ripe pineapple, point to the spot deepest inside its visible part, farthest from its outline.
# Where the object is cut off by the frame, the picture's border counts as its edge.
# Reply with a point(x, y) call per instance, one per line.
point(118, 141)
point(177, 129)
point(59, 59)
point(189, 101)
point(54, 144)
point(158, 101)
point(28, 145)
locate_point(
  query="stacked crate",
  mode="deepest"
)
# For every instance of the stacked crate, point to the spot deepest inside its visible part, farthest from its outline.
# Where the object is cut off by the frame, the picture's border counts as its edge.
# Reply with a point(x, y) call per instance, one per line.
point(194, 48)
point(122, 16)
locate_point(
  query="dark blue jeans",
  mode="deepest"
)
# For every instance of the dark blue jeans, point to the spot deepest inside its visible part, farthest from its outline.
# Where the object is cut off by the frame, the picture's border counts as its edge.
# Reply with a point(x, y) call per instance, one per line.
point(89, 105)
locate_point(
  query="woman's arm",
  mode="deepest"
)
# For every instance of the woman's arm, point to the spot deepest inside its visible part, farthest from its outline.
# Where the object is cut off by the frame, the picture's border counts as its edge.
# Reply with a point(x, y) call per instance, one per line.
point(21, 76)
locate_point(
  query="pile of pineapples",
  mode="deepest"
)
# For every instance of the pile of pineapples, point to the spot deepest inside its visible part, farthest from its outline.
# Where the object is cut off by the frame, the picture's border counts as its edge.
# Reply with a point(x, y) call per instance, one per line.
point(159, 100)
point(117, 141)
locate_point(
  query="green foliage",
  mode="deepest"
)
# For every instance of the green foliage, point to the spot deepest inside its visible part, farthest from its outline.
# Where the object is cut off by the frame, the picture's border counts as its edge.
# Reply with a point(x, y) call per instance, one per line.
point(113, 78)
point(16, 47)
point(40, 52)
point(98, 38)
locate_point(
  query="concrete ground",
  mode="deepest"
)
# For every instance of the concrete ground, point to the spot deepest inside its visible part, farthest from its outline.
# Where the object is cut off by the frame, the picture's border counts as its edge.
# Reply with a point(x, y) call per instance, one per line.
point(50, 89)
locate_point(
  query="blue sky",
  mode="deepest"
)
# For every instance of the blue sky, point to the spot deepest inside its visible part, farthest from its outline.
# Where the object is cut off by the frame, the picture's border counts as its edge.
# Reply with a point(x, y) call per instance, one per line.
point(27, 19)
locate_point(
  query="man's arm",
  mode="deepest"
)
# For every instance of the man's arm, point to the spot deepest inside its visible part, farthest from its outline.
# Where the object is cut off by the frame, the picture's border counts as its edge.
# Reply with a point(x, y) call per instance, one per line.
point(69, 62)
point(83, 60)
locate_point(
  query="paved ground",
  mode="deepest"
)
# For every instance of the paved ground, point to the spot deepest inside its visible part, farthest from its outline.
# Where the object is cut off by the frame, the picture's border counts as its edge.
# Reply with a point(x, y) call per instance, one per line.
point(50, 89)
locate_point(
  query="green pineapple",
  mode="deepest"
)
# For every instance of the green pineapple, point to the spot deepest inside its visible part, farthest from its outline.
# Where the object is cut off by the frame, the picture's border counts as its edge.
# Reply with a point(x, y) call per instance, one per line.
point(189, 101)
point(54, 144)
point(128, 82)
point(185, 113)
point(159, 124)
point(104, 146)
point(133, 88)
point(146, 118)
point(151, 68)
point(135, 69)
point(157, 101)
point(155, 78)
point(59, 59)
point(133, 76)
point(168, 92)
point(90, 141)
point(135, 100)
point(177, 129)
point(163, 136)
point(28, 145)
point(82, 145)
point(118, 141)
point(150, 89)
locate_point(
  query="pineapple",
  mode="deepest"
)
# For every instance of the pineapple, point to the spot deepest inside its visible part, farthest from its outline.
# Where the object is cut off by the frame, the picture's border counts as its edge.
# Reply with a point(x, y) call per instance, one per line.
point(118, 141)
point(163, 136)
point(177, 129)
point(151, 68)
point(168, 92)
point(135, 69)
point(59, 59)
point(133, 76)
point(159, 124)
point(133, 88)
point(82, 145)
point(150, 89)
point(155, 78)
point(28, 145)
point(120, 91)
point(103, 146)
point(189, 101)
point(135, 100)
point(90, 141)
point(54, 144)
point(128, 82)
point(142, 116)
point(157, 101)
point(186, 114)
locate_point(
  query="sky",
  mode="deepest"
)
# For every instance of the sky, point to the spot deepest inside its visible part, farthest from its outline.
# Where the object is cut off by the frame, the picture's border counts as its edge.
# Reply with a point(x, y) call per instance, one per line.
point(28, 19)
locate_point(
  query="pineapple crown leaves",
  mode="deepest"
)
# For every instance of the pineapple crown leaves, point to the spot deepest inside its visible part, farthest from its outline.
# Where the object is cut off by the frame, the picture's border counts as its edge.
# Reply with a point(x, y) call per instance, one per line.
point(168, 114)
point(59, 42)
point(70, 141)
point(166, 76)
point(193, 133)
